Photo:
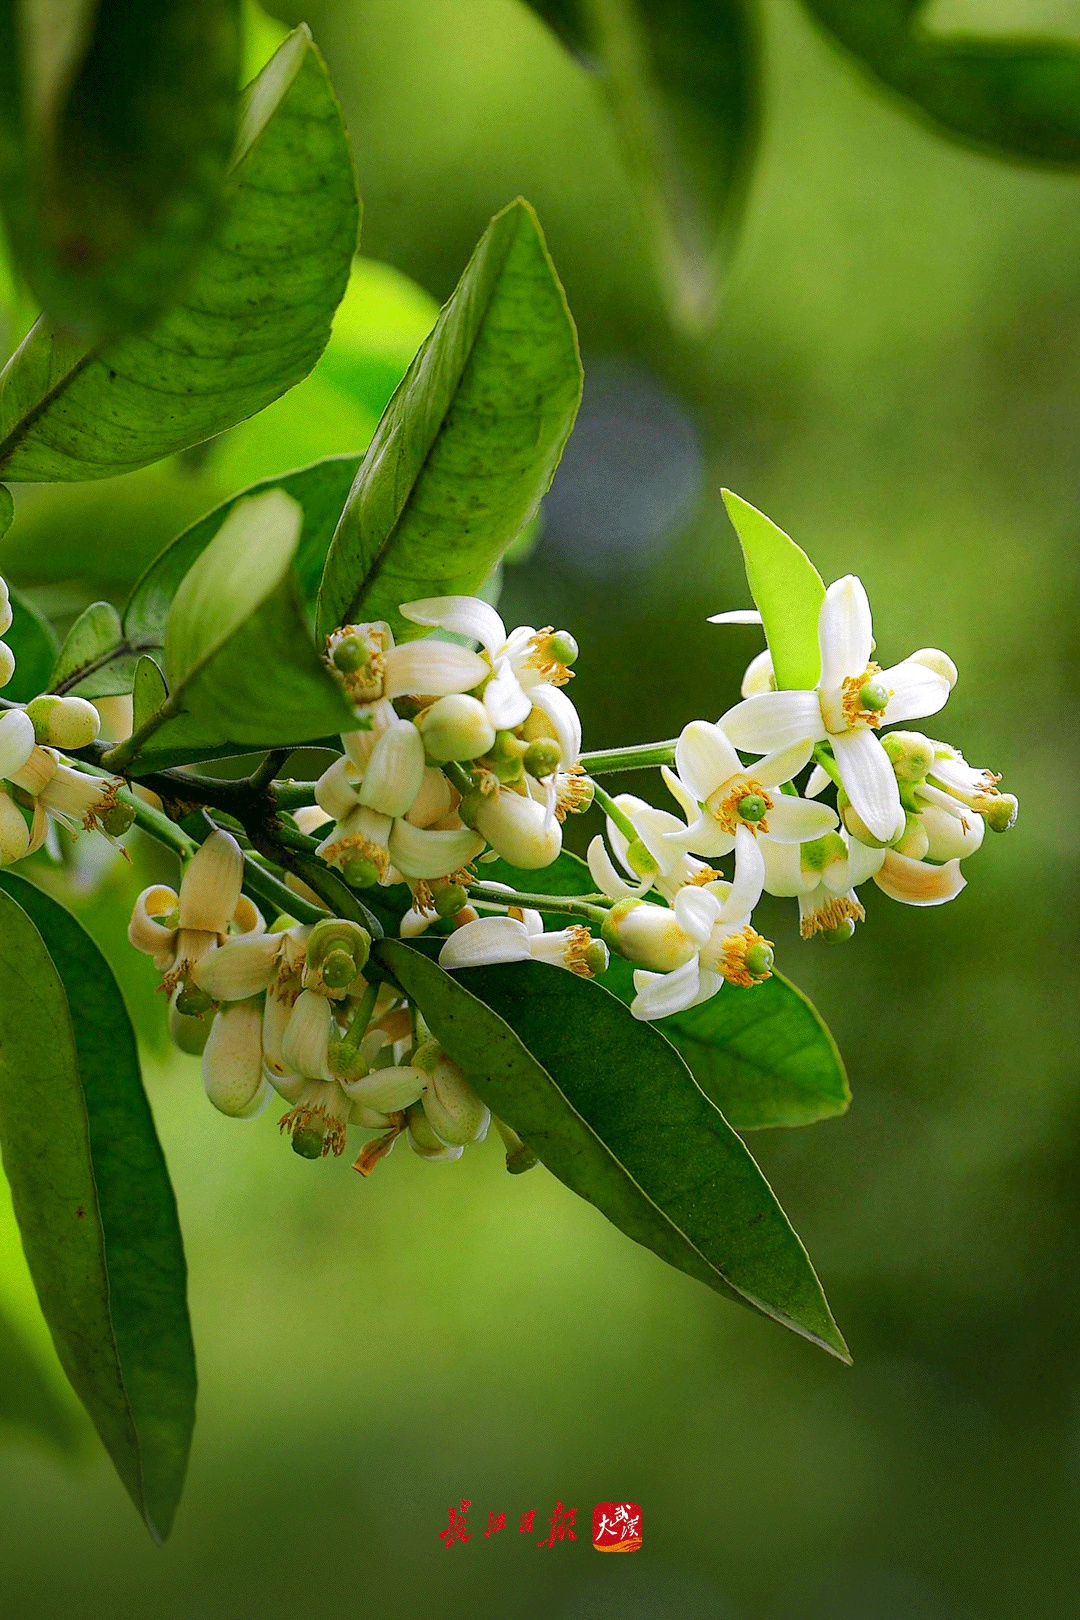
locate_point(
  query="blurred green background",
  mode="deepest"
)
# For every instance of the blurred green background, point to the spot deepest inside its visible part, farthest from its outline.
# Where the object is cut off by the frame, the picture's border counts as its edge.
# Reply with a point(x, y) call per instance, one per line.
point(895, 377)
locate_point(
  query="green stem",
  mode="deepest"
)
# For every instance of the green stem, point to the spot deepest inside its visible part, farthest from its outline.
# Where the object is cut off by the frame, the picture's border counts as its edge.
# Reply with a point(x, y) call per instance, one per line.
point(607, 760)
point(823, 756)
point(460, 778)
point(594, 908)
point(277, 896)
point(619, 817)
point(263, 774)
point(152, 821)
point(362, 1018)
point(118, 758)
point(293, 795)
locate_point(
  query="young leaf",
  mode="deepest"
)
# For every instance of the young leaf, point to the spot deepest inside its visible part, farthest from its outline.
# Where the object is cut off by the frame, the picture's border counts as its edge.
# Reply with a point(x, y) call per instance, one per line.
point(613, 1111)
point(239, 661)
point(118, 122)
point(92, 1196)
point(787, 589)
point(255, 314)
point(28, 1401)
point(681, 80)
point(83, 661)
point(321, 490)
point(470, 441)
point(1013, 97)
point(33, 641)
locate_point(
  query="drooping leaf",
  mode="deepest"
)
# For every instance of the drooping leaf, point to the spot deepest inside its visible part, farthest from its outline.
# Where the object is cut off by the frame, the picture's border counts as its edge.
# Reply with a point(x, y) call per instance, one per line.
point(117, 124)
point(254, 317)
point(1015, 98)
point(788, 591)
point(28, 1402)
point(240, 664)
point(764, 1056)
point(470, 441)
point(92, 1196)
point(611, 1109)
point(84, 663)
point(681, 80)
point(34, 642)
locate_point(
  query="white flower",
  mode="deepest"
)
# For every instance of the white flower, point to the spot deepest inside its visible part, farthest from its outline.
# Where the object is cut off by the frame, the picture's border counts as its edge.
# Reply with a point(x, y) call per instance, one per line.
point(527, 666)
point(373, 669)
point(918, 883)
point(178, 930)
point(522, 939)
point(372, 848)
point(852, 699)
point(716, 919)
point(523, 830)
point(823, 875)
point(653, 860)
point(723, 796)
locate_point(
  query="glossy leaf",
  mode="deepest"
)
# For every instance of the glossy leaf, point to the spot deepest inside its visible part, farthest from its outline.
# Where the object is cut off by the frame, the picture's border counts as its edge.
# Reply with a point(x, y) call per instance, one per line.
point(470, 441)
point(92, 1195)
point(28, 1402)
point(148, 691)
point(34, 642)
point(254, 317)
point(1015, 97)
point(612, 1110)
point(89, 649)
point(681, 80)
point(117, 122)
point(788, 590)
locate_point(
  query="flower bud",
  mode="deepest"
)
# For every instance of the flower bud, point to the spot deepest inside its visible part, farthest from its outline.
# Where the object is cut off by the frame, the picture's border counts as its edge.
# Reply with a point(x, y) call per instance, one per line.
point(649, 936)
point(950, 837)
point(914, 841)
point(5, 608)
point(64, 722)
point(395, 771)
point(16, 742)
point(232, 1061)
point(14, 832)
point(542, 757)
point(7, 663)
point(456, 728)
point(307, 1035)
point(1000, 811)
point(454, 1111)
point(425, 1143)
point(211, 885)
point(518, 829)
point(117, 717)
point(911, 754)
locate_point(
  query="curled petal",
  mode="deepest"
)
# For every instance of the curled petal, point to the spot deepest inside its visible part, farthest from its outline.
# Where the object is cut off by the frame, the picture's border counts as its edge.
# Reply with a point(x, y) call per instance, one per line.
point(247, 918)
point(359, 744)
point(336, 791)
point(797, 821)
point(146, 932)
point(773, 720)
point(705, 836)
point(819, 781)
point(661, 994)
point(862, 861)
point(705, 758)
point(916, 691)
point(211, 885)
point(845, 631)
point(490, 939)
point(607, 879)
point(951, 837)
point(507, 703)
point(421, 852)
point(415, 922)
point(462, 615)
point(240, 968)
point(869, 781)
point(434, 668)
point(916, 883)
point(735, 616)
point(553, 702)
point(760, 675)
point(696, 910)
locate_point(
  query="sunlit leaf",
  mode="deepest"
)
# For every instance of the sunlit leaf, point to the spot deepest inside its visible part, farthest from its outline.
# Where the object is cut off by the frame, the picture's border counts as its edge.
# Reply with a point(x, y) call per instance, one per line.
point(681, 80)
point(1015, 97)
point(788, 591)
point(254, 318)
point(92, 1196)
point(609, 1106)
point(117, 124)
point(470, 441)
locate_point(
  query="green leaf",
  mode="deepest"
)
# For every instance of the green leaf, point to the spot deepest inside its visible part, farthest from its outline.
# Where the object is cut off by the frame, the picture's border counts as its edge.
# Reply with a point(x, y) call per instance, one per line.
point(7, 510)
point(470, 441)
point(148, 692)
point(117, 123)
point(86, 662)
point(92, 1196)
point(239, 660)
point(681, 80)
point(33, 641)
point(254, 318)
point(788, 591)
point(1015, 97)
point(609, 1106)
point(28, 1401)
point(321, 491)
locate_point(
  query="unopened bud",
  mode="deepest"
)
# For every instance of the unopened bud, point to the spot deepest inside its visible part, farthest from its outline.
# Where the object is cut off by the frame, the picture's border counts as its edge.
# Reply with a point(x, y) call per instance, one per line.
point(840, 934)
point(7, 663)
point(647, 935)
point(518, 828)
point(455, 1112)
point(456, 728)
point(64, 722)
point(449, 901)
point(911, 754)
point(874, 696)
point(14, 833)
point(915, 840)
point(5, 608)
point(1000, 811)
point(542, 757)
point(17, 746)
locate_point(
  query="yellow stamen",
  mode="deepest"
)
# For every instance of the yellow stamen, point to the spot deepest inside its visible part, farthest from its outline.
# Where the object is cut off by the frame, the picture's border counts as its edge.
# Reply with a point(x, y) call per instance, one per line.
point(838, 909)
point(732, 962)
point(356, 846)
point(702, 878)
point(851, 703)
point(304, 1116)
point(573, 792)
point(726, 810)
point(575, 955)
point(540, 658)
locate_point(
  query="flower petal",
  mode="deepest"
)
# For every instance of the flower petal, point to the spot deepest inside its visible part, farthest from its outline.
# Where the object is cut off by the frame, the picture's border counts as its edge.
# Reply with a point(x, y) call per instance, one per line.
point(798, 821)
point(336, 791)
point(395, 771)
point(240, 968)
point(749, 876)
point(463, 615)
point(705, 758)
point(819, 781)
point(705, 837)
point(735, 616)
point(916, 691)
point(696, 910)
point(661, 994)
point(490, 939)
point(869, 781)
point(680, 793)
point(917, 883)
point(607, 879)
point(563, 716)
point(783, 763)
point(760, 675)
point(433, 668)
point(784, 875)
point(773, 720)
point(421, 852)
point(505, 700)
point(845, 631)
point(862, 861)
